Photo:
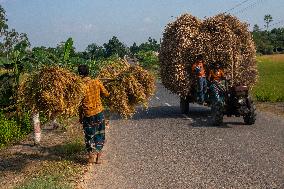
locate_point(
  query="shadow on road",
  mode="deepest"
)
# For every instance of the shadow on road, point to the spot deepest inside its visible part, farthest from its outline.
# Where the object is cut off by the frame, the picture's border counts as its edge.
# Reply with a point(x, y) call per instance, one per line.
point(198, 116)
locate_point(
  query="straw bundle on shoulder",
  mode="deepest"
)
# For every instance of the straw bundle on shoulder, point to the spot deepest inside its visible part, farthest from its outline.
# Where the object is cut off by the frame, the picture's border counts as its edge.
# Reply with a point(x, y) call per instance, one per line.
point(53, 91)
point(129, 86)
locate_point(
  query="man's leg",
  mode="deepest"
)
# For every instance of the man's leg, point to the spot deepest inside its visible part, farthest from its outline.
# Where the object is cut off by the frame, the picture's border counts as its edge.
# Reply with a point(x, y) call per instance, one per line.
point(201, 83)
point(100, 137)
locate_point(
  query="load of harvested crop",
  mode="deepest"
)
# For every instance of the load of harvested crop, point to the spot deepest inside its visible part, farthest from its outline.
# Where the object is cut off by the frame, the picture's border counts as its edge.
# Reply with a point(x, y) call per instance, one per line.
point(128, 85)
point(222, 38)
point(53, 91)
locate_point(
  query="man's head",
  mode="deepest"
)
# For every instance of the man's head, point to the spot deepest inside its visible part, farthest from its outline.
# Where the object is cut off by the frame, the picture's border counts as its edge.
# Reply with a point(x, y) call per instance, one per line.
point(83, 70)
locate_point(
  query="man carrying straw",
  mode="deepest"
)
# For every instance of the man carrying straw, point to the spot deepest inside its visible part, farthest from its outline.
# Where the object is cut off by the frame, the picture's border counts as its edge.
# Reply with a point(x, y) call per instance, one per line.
point(91, 115)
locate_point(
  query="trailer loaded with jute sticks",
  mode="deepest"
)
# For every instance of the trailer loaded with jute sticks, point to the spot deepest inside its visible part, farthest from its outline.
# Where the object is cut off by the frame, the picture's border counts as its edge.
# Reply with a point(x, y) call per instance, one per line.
point(221, 39)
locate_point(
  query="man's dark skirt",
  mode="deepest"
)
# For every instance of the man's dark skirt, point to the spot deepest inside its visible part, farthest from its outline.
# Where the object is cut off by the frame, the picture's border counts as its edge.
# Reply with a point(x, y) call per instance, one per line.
point(94, 129)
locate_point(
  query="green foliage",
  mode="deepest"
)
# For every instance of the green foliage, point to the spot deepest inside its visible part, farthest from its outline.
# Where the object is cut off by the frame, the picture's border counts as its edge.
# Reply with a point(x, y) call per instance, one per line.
point(267, 19)
point(6, 89)
point(9, 130)
point(148, 60)
point(95, 52)
point(13, 130)
point(3, 20)
point(70, 149)
point(25, 123)
point(115, 47)
point(67, 49)
point(268, 42)
point(48, 181)
point(270, 87)
point(150, 45)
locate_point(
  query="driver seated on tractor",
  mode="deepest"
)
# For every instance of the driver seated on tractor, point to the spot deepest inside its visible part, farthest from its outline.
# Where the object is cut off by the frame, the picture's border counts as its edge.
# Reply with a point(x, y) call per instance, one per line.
point(199, 71)
point(216, 78)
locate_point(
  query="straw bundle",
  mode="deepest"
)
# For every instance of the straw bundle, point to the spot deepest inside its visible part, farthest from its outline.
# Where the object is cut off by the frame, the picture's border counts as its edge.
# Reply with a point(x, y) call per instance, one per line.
point(128, 85)
point(53, 91)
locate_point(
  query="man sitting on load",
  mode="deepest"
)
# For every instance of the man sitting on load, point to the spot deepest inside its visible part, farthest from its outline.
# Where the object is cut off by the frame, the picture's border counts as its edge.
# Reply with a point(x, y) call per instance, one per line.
point(199, 71)
point(216, 76)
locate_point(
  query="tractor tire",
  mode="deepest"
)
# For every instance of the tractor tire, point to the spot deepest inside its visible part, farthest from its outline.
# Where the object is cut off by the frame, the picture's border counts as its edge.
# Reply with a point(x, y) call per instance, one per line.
point(184, 105)
point(217, 113)
point(250, 117)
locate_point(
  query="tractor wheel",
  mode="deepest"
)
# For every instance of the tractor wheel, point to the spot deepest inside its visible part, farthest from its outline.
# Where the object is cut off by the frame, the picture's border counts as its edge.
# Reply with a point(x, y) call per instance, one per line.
point(250, 117)
point(184, 105)
point(217, 113)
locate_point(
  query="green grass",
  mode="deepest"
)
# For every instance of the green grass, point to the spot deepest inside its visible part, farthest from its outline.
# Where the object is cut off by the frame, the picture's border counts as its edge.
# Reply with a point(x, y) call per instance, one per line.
point(270, 85)
point(48, 182)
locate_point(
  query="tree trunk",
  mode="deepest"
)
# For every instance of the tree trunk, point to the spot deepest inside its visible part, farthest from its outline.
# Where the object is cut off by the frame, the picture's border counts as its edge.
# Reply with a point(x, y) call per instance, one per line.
point(37, 129)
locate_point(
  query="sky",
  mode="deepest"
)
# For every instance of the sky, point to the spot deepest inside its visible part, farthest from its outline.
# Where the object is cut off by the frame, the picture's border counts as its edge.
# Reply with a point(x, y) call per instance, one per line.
point(49, 22)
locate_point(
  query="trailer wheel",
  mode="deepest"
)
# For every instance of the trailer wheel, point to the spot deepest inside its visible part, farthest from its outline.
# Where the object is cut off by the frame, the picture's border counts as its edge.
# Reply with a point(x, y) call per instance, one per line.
point(250, 117)
point(184, 105)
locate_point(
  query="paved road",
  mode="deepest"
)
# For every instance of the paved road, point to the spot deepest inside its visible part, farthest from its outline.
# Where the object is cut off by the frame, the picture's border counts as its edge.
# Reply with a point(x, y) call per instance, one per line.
point(160, 148)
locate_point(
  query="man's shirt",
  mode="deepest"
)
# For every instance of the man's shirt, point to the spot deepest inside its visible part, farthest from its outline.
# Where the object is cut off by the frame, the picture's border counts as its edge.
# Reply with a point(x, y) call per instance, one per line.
point(216, 75)
point(91, 103)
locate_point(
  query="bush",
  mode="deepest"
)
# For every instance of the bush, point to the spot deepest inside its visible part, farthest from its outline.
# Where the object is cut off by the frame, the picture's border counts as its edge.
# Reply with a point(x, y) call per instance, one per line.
point(9, 130)
point(148, 60)
point(12, 130)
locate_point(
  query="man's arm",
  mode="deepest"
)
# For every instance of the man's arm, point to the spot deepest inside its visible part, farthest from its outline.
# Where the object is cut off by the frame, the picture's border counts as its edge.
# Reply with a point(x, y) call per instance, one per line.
point(103, 90)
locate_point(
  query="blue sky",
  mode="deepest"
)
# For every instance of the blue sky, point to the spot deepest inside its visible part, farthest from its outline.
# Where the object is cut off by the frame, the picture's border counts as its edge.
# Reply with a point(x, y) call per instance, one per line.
point(48, 22)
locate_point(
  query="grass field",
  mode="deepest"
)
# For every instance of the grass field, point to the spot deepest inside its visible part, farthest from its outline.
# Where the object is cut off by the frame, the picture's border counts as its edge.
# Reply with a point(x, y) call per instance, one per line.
point(270, 85)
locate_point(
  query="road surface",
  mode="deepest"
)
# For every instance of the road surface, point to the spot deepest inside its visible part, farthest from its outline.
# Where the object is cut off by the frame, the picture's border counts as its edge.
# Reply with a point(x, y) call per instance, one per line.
point(161, 148)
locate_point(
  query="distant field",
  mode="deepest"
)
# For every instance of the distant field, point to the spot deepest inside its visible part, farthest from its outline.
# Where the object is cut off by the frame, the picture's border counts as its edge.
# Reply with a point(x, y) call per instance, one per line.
point(270, 86)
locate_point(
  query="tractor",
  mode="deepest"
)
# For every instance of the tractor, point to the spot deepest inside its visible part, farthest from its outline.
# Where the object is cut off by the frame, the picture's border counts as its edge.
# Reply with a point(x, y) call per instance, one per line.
point(231, 100)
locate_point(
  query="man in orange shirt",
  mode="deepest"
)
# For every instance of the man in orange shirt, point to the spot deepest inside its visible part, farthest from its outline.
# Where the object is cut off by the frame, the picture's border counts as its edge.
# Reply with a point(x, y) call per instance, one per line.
point(216, 76)
point(91, 114)
point(199, 71)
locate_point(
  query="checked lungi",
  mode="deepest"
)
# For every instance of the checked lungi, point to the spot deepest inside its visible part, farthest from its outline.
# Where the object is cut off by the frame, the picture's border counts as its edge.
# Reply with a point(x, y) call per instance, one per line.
point(94, 129)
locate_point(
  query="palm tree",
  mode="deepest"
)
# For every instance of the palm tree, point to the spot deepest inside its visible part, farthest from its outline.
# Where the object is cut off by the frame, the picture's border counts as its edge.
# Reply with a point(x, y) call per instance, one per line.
point(268, 18)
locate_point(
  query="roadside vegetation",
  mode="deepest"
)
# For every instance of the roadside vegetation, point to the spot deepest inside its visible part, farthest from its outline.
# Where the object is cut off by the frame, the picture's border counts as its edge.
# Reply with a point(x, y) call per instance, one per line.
point(270, 85)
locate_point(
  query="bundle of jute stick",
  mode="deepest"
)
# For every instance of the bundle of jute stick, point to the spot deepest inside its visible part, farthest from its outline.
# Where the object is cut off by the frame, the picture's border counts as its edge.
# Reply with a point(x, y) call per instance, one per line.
point(129, 86)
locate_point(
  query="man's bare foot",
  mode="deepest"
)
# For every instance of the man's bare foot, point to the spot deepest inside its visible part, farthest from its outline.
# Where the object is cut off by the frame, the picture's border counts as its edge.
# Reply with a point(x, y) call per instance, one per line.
point(91, 158)
point(99, 158)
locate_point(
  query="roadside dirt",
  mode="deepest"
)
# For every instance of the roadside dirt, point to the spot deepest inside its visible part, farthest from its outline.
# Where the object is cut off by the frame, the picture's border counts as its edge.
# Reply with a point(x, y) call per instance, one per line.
point(23, 161)
point(273, 108)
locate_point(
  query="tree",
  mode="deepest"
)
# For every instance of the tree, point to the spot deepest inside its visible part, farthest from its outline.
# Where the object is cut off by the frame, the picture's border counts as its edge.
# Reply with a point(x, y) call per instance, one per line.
point(10, 40)
point(95, 52)
point(150, 45)
point(115, 47)
point(267, 18)
point(256, 28)
point(3, 21)
point(134, 49)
